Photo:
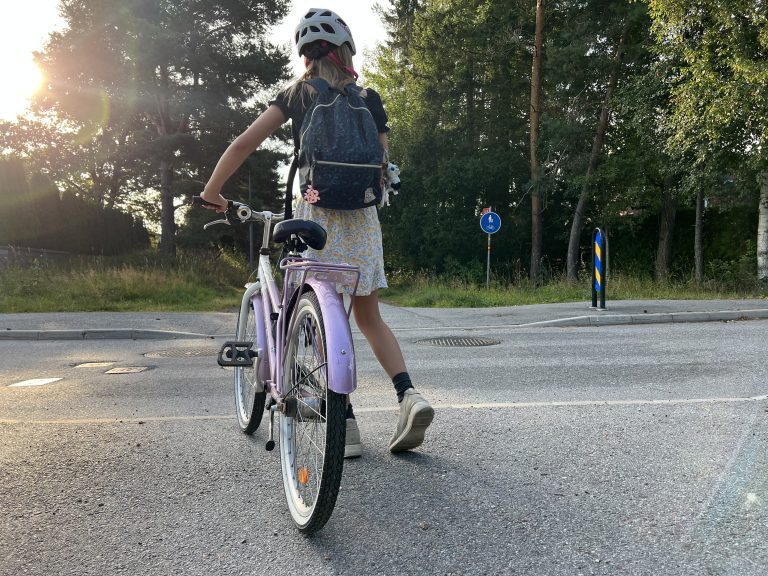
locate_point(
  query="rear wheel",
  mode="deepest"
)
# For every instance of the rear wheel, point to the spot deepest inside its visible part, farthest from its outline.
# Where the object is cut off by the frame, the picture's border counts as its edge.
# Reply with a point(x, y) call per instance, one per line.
point(249, 391)
point(313, 428)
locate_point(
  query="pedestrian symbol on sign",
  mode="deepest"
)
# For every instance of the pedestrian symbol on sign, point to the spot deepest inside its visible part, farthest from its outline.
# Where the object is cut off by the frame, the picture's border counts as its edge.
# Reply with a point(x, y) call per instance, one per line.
point(490, 222)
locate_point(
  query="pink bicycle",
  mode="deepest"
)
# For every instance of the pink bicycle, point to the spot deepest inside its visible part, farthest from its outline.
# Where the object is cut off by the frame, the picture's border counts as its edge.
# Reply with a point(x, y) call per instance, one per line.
point(293, 355)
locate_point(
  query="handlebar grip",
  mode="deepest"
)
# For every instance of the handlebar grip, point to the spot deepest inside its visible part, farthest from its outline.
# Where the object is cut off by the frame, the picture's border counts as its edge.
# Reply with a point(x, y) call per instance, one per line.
point(198, 201)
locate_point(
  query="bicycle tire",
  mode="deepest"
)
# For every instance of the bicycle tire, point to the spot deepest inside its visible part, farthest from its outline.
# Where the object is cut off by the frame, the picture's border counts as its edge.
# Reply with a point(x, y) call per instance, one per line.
point(312, 441)
point(250, 396)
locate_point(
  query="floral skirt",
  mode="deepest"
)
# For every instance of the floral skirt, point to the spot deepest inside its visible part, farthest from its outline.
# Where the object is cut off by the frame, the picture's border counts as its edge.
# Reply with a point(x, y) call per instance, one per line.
point(354, 237)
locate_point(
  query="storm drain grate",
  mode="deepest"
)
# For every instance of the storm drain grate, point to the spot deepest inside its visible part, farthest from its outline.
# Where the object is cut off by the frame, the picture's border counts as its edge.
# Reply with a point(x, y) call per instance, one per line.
point(183, 353)
point(459, 341)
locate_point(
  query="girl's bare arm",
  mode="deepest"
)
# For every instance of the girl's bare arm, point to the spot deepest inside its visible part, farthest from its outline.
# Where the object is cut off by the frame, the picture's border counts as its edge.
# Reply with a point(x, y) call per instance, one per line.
point(236, 153)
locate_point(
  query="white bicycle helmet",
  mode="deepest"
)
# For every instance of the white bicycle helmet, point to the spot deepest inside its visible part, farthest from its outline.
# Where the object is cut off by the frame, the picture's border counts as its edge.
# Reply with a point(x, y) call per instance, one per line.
point(321, 24)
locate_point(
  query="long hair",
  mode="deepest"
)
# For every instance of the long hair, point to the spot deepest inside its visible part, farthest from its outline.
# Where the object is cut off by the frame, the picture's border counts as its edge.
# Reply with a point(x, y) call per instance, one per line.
point(326, 69)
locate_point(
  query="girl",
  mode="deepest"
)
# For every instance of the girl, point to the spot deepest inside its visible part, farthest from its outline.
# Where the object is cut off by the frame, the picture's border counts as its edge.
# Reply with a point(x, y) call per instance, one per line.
point(354, 236)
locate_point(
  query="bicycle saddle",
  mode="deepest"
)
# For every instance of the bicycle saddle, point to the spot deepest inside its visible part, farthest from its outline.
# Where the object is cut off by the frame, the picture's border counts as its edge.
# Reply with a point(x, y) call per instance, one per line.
point(311, 233)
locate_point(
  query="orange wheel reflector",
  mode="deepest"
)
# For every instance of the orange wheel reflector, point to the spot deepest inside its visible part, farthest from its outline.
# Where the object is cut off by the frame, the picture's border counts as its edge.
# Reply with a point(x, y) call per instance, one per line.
point(303, 475)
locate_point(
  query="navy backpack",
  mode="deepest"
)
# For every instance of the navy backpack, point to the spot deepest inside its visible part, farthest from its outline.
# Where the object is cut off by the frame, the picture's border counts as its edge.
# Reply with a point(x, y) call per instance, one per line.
point(339, 155)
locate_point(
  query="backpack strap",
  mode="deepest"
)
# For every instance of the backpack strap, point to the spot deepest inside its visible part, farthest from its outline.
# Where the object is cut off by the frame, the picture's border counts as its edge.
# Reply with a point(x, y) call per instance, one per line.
point(322, 85)
point(289, 186)
point(319, 84)
point(353, 89)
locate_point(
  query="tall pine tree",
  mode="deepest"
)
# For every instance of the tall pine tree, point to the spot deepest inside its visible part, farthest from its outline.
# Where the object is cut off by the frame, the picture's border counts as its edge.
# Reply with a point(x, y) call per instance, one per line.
point(154, 89)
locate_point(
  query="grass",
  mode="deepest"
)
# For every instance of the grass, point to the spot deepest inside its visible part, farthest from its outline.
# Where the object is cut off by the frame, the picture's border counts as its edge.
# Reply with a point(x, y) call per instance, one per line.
point(213, 282)
point(139, 283)
point(439, 292)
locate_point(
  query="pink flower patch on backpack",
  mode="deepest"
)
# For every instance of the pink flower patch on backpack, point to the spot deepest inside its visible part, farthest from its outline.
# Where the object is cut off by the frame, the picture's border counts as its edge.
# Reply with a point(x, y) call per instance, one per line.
point(311, 195)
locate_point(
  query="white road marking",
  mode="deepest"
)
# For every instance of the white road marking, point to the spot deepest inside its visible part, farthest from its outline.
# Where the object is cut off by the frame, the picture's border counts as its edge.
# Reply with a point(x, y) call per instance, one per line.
point(94, 365)
point(126, 370)
point(34, 382)
point(437, 407)
point(555, 403)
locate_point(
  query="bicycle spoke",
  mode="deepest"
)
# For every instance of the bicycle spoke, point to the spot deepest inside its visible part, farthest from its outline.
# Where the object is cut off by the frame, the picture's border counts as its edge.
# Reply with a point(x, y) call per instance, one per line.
point(313, 443)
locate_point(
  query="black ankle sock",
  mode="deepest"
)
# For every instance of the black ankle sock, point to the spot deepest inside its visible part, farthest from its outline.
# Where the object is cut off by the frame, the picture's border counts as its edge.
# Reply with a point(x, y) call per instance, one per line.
point(401, 382)
point(350, 414)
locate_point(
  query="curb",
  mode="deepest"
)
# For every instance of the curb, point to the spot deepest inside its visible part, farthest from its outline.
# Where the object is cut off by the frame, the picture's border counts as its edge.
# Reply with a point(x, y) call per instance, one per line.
point(661, 318)
point(572, 322)
point(98, 334)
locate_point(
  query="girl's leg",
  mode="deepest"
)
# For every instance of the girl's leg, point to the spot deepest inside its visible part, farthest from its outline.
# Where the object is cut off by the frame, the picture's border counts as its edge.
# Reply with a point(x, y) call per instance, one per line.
point(379, 336)
point(415, 412)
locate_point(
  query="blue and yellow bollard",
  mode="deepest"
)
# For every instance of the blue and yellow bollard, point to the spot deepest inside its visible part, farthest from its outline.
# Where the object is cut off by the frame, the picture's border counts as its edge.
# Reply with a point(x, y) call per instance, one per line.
point(598, 267)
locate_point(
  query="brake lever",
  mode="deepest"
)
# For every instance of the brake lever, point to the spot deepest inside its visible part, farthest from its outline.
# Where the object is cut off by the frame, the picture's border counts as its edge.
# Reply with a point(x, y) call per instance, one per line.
point(214, 222)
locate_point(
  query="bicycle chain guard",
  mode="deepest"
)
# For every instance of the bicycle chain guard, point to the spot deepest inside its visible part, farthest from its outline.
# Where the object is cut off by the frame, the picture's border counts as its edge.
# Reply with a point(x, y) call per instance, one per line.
point(236, 353)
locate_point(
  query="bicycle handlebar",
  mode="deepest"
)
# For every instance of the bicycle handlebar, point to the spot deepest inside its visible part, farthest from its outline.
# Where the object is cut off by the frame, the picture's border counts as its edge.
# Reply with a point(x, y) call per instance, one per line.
point(237, 212)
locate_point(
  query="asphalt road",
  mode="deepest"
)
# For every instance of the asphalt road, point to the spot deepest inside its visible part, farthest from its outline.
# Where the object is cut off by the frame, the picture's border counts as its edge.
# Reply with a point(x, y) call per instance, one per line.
point(612, 450)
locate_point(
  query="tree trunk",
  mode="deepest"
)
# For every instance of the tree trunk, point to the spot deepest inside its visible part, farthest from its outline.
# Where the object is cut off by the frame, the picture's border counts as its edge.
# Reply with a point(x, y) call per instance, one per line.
point(762, 230)
point(698, 250)
point(666, 228)
point(164, 129)
point(597, 145)
point(535, 272)
point(167, 221)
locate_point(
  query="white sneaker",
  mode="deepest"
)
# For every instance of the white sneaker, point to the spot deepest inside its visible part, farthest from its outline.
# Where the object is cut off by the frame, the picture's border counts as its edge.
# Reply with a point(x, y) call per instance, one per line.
point(352, 446)
point(415, 416)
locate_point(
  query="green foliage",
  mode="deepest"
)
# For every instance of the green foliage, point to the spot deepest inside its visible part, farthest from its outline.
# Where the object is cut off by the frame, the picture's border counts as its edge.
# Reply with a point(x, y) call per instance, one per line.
point(728, 246)
point(718, 98)
point(718, 104)
point(459, 115)
point(34, 215)
point(457, 134)
point(133, 86)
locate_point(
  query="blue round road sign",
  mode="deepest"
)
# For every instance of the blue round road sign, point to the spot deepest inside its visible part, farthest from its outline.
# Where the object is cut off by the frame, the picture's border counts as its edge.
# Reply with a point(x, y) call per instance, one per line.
point(490, 222)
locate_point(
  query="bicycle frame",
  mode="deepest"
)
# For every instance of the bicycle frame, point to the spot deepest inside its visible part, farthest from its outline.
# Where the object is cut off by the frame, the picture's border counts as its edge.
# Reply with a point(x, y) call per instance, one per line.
point(274, 320)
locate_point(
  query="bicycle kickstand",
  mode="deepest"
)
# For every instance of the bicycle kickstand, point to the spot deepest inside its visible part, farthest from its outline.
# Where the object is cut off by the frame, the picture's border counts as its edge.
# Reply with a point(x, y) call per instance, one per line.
point(271, 442)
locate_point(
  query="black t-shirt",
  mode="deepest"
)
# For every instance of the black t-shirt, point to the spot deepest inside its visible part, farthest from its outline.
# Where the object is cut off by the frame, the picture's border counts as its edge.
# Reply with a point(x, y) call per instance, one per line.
point(296, 108)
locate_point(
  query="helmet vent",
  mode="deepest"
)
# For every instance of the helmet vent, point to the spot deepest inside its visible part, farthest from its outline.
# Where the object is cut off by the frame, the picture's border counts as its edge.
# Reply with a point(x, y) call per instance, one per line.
point(314, 29)
point(328, 28)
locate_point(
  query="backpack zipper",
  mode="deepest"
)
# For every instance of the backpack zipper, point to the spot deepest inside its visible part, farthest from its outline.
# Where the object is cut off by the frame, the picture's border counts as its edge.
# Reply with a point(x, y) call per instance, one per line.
point(329, 163)
point(345, 164)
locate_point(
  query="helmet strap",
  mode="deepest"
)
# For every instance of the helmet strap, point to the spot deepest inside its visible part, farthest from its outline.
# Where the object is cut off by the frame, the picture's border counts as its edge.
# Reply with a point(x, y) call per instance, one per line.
point(348, 69)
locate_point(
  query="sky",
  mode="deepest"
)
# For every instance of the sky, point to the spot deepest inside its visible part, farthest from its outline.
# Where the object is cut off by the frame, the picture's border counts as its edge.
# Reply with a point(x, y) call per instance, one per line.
point(25, 25)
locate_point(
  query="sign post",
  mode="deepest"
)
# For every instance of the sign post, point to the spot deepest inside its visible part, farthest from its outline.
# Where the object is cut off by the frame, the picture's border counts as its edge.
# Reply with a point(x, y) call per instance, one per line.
point(490, 223)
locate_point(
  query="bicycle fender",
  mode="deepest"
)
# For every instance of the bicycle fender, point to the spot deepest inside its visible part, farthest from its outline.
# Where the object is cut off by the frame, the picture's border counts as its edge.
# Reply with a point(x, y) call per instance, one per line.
point(342, 371)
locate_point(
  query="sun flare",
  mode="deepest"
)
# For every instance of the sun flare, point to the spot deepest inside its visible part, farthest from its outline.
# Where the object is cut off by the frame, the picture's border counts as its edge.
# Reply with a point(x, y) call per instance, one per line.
point(21, 79)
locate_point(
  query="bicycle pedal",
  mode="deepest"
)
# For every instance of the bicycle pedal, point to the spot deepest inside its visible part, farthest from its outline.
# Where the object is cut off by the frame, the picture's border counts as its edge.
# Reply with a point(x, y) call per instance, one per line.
point(236, 353)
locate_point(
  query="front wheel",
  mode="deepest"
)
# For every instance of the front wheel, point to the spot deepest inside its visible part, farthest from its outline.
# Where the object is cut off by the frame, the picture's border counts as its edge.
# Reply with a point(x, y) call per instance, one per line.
point(249, 391)
point(313, 428)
